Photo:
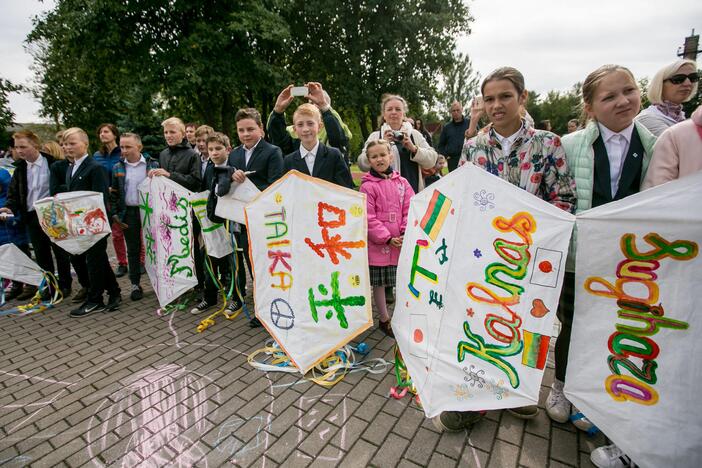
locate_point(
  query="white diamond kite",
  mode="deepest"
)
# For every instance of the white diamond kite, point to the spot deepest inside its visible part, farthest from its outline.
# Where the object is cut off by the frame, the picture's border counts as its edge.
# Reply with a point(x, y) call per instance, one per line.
point(167, 231)
point(478, 282)
point(632, 366)
point(309, 251)
point(74, 221)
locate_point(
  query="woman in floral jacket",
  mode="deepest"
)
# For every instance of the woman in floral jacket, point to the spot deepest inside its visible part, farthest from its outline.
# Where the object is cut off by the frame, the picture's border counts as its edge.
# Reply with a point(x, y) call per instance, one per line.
point(512, 149)
point(533, 160)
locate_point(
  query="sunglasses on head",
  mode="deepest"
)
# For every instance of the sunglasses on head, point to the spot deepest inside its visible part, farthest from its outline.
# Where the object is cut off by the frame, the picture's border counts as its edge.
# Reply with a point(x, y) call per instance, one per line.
point(678, 79)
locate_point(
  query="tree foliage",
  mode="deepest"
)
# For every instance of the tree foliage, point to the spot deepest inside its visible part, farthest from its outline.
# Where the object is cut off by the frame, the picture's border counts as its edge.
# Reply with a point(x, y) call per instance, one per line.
point(363, 49)
point(135, 61)
point(558, 107)
point(460, 83)
point(7, 117)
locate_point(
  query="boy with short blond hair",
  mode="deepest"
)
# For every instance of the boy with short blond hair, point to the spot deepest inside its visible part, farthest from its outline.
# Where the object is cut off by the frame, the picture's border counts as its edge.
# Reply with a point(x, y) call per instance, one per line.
point(179, 162)
point(314, 157)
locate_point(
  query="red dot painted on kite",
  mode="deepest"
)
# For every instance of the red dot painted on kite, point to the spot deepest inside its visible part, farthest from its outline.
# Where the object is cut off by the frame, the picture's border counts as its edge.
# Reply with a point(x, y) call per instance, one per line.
point(546, 266)
point(418, 335)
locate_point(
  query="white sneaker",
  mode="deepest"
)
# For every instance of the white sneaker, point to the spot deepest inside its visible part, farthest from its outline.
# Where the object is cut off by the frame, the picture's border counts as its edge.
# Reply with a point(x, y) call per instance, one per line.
point(580, 421)
point(557, 405)
point(610, 456)
point(201, 307)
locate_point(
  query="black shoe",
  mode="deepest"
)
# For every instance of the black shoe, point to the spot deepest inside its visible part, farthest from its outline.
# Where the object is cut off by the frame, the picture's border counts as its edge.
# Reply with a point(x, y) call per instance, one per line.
point(137, 293)
point(255, 323)
point(27, 293)
point(202, 306)
point(13, 293)
point(113, 302)
point(121, 271)
point(86, 309)
point(234, 306)
point(456, 421)
point(80, 296)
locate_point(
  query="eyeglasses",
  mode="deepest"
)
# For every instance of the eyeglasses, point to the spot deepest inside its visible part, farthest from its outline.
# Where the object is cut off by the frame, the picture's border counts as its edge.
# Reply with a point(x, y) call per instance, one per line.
point(679, 79)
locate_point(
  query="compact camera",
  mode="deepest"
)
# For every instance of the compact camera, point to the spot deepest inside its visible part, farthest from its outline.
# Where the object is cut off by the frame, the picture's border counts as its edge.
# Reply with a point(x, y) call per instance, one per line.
point(398, 136)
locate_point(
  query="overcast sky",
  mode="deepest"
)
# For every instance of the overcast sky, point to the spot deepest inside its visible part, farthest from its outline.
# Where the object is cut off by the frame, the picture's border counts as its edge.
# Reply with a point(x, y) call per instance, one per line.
point(554, 43)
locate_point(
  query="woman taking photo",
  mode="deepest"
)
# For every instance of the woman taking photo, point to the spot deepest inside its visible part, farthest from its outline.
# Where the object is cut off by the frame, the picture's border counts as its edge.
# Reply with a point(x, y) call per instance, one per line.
point(668, 90)
point(410, 151)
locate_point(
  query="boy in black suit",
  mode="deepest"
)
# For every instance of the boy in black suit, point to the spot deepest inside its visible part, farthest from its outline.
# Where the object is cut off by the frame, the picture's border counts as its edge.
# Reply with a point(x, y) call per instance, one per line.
point(258, 160)
point(314, 157)
point(87, 174)
point(217, 144)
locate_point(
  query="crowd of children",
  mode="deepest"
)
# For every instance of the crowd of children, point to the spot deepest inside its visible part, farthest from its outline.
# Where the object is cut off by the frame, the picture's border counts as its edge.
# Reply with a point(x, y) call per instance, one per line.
point(612, 157)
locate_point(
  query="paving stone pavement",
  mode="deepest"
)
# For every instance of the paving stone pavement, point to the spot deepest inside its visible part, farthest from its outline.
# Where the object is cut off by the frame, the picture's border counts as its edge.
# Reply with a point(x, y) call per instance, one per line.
point(131, 388)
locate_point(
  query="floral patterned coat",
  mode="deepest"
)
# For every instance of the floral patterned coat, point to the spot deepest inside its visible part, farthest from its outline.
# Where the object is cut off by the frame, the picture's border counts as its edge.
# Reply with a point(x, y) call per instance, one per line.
point(536, 163)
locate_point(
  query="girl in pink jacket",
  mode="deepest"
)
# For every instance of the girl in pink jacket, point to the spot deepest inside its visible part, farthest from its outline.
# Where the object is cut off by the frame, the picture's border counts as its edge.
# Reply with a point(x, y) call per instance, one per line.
point(387, 197)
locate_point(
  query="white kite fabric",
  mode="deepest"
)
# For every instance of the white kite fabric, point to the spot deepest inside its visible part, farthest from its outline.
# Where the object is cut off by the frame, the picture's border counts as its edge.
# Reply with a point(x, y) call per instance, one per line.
point(74, 221)
point(231, 206)
point(15, 265)
point(166, 228)
point(637, 323)
point(308, 247)
point(478, 284)
point(217, 241)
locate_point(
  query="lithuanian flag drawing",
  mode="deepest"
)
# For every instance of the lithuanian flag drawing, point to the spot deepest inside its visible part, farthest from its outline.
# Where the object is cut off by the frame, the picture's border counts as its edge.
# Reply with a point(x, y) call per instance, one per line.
point(438, 209)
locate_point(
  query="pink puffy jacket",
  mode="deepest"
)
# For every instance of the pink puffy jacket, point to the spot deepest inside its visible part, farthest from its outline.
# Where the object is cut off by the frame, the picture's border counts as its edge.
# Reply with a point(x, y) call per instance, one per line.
point(388, 203)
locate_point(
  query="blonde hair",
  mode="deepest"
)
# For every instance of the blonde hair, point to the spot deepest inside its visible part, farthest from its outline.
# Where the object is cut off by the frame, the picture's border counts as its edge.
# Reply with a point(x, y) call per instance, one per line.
point(593, 80)
point(378, 142)
point(309, 110)
point(30, 136)
point(655, 87)
point(175, 122)
point(76, 131)
point(54, 149)
point(204, 130)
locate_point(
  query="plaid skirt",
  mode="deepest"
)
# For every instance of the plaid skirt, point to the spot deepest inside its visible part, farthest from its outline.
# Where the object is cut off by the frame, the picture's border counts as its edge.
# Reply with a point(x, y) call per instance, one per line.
point(383, 275)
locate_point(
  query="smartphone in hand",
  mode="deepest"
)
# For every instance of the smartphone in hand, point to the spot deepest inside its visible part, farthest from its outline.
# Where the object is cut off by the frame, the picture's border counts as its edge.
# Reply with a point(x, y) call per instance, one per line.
point(300, 91)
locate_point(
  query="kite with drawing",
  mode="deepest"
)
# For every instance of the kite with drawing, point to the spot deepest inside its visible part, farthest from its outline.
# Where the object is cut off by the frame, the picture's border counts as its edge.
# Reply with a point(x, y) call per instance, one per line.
point(478, 283)
point(17, 266)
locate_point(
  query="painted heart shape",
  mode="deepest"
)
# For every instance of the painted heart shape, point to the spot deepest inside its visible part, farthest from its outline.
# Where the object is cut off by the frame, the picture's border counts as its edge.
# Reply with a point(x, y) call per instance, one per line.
point(538, 308)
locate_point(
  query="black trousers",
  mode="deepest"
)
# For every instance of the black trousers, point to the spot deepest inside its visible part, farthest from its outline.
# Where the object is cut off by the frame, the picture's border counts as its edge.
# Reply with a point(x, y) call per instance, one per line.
point(132, 237)
point(452, 162)
point(102, 278)
point(198, 252)
point(80, 266)
point(42, 251)
point(221, 270)
point(242, 241)
point(566, 304)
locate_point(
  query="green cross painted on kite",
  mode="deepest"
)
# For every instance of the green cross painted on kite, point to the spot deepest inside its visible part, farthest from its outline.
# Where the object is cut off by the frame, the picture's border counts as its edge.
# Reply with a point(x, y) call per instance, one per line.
point(146, 209)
